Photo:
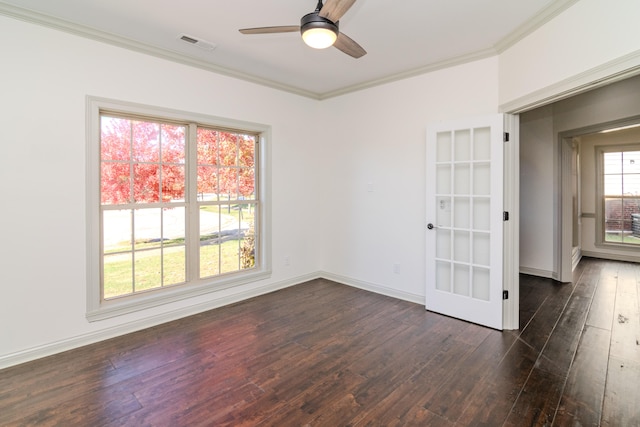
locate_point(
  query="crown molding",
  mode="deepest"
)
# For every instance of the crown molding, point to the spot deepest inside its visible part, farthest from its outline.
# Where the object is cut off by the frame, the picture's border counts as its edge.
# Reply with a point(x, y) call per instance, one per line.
point(33, 17)
point(447, 63)
point(618, 69)
point(542, 18)
point(145, 48)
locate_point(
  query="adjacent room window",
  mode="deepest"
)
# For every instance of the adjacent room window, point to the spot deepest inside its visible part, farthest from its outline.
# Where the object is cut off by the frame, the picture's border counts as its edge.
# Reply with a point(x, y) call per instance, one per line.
point(179, 211)
point(619, 194)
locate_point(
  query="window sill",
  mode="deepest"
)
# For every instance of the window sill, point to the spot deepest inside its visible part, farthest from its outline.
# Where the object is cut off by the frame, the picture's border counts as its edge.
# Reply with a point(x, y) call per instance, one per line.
point(135, 303)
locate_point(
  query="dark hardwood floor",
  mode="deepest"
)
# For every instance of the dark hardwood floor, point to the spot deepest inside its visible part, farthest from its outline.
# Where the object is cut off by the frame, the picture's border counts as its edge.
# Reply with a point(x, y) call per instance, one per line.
point(324, 354)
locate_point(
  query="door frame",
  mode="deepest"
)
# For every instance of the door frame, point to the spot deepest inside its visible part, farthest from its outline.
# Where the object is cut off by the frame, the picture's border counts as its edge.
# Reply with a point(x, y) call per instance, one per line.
point(610, 72)
point(511, 231)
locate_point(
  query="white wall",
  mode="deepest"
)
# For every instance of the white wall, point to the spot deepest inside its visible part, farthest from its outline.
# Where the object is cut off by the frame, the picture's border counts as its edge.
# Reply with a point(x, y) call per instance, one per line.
point(377, 141)
point(538, 192)
point(592, 35)
point(45, 78)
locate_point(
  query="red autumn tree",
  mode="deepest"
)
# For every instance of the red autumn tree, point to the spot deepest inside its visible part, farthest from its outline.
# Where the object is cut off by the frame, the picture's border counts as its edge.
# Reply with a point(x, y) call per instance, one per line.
point(144, 162)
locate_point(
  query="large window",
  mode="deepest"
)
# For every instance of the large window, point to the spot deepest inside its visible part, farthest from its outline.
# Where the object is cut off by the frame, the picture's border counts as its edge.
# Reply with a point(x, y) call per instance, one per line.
point(180, 208)
point(619, 194)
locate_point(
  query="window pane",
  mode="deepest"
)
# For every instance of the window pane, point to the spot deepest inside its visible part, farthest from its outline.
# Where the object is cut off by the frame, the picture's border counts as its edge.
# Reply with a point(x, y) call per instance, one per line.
point(207, 146)
point(115, 138)
point(231, 234)
point(247, 155)
point(631, 185)
point(207, 183)
point(175, 261)
point(228, 181)
point(248, 246)
point(631, 162)
point(247, 184)
point(146, 138)
point(146, 186)
point(613, 231)
point(173, 143)
point(115, 187)
point(118, 275)
point(228, 149)
point(612, 209)
point(612, 163)
point(148, 269)
point(613, 185)
point(209, 241)
point(173, 183)
point(117, 241)
point(116, 231)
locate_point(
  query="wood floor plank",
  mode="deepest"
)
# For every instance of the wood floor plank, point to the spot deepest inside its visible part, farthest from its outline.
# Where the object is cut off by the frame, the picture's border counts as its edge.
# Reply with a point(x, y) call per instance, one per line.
point(325, 354)
point(537, 403)
point(583, 395)
point(621, 394)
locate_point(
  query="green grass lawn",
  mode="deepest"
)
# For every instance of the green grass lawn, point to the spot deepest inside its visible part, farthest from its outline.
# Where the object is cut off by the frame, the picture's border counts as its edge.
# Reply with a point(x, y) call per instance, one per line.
point(620, 238)
point(148, 269)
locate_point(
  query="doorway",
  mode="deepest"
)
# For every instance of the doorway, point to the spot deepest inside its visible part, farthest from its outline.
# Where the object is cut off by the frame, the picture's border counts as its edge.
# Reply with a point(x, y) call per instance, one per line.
point(556, 227)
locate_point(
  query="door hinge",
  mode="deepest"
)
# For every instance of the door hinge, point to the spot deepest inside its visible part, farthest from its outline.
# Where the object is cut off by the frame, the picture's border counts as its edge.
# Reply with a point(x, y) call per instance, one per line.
point(506, 137)
point(505, 216)
point(505, 294)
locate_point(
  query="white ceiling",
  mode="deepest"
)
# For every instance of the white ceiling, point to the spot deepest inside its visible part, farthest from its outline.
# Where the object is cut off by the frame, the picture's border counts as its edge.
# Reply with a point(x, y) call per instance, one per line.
point(402, 38)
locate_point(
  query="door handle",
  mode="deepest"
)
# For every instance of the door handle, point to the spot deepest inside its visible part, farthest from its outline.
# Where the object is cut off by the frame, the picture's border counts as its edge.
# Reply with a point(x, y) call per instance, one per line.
point(430, 226)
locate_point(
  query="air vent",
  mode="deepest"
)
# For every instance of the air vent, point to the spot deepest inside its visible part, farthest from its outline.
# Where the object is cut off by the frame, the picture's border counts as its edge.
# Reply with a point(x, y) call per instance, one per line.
point(202, 44)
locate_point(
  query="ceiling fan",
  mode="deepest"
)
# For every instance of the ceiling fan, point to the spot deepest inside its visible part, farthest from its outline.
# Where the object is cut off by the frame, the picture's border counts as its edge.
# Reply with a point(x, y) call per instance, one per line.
point(319, 29)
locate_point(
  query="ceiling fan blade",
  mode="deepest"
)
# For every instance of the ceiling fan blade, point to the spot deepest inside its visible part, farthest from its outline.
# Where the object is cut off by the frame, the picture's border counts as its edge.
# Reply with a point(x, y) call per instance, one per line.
point(271, 30)
point(348, 46)
point(334, 9)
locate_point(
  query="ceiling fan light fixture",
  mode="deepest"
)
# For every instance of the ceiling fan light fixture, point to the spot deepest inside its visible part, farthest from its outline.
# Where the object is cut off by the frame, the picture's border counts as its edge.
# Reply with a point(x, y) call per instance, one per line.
point(318, 32)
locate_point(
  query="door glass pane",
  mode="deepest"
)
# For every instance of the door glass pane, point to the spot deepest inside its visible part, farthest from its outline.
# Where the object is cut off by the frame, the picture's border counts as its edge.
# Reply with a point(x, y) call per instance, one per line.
point(461, 280)
point(461, 246)
point(481, 217)
point(481, 283)
point(461, 213)
point(443, 147)
point(443, 179)
point(461, 179)
point(481, 249)
point(443, 212)
point(482, 144)
point(462, 145)
point(481, 179)
point(443, 243)
point(443, 276)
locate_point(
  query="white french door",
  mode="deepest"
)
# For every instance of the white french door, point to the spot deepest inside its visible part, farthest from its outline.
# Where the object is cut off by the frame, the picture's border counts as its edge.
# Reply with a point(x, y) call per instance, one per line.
point(464, 246)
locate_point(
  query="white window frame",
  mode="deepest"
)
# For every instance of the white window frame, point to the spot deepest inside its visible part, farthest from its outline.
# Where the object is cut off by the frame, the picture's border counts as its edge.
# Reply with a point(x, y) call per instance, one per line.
point(600, 211)
point(99, 309)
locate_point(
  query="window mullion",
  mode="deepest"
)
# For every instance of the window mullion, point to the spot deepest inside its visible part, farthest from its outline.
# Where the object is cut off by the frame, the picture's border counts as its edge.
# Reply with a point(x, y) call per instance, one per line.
point(193, 209)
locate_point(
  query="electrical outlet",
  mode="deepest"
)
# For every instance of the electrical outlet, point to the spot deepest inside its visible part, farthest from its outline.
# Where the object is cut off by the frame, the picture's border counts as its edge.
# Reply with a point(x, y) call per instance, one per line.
point(396, 268)
point(287, 260)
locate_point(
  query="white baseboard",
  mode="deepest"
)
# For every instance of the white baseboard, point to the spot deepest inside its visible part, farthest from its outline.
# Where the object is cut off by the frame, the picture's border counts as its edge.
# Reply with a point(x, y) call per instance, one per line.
point(126, 328)
point(613, 257)
point(372, 287)
point(537, 272)
point(49, 349)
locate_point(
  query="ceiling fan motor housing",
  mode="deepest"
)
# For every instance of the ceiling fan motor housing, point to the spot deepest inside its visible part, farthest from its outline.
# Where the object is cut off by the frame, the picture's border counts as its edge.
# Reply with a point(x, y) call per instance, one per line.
point(313, 20)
